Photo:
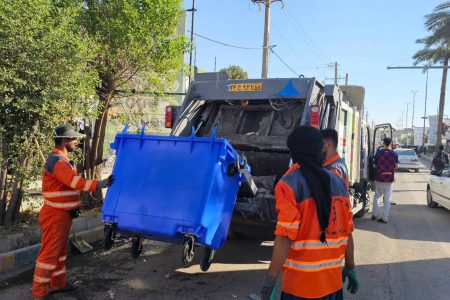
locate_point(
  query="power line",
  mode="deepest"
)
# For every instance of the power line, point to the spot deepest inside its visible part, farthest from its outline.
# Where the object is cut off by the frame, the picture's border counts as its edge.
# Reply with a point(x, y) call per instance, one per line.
point(289, 46)
point(303, 35)
point(226, 44)
point(284, 63)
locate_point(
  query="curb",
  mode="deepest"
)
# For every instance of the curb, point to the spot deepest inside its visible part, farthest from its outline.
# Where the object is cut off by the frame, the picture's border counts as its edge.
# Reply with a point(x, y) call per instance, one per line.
point(24, 258)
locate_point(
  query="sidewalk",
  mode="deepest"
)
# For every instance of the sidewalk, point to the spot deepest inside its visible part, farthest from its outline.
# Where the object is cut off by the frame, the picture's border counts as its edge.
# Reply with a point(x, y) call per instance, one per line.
point(18, 251)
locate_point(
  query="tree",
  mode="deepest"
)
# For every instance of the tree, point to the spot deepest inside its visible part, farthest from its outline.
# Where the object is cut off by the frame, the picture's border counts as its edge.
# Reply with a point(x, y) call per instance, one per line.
point(437, 50)
point(44, 81)
point(235, 72)
point(137, 50)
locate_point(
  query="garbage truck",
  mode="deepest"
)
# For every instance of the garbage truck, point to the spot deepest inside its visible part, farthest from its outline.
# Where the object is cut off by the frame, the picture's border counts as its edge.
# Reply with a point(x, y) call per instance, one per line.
point(257, 115)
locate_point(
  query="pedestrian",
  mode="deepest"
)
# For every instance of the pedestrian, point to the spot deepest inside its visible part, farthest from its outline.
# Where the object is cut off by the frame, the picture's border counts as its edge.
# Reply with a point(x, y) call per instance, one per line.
point(333, 161)
point(440, 161)
point(385, 163)
point(61, 187)
point(314, 228)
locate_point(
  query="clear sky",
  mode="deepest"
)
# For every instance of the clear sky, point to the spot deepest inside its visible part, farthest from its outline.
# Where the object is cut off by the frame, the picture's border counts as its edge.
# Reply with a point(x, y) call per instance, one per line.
point(363, 36)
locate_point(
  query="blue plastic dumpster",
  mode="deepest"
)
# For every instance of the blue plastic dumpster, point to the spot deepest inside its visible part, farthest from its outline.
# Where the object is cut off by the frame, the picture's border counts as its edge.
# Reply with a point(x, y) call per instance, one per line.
point(175, 189)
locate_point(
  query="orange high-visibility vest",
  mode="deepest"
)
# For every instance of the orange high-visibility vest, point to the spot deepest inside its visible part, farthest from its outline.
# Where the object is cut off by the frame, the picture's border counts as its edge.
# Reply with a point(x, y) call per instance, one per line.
point(337, 166)
point(312, 269)
point(61, 185)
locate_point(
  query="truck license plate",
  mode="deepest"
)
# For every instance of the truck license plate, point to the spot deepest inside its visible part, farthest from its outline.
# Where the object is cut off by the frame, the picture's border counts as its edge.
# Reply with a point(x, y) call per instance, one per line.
point(244, 87)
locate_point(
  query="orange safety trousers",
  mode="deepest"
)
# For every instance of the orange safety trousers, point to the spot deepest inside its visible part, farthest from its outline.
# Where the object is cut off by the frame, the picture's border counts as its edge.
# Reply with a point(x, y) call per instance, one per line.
point(50, 270)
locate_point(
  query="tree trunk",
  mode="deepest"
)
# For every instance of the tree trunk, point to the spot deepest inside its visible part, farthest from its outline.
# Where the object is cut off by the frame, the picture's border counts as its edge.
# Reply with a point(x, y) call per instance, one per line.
point(14, 203)
point(3, 180)
point(441, 105)
point(16, 197)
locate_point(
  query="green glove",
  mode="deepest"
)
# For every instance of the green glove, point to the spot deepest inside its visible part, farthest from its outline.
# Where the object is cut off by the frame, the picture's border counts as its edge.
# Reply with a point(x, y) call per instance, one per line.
point(268, 290)
point(353, 280)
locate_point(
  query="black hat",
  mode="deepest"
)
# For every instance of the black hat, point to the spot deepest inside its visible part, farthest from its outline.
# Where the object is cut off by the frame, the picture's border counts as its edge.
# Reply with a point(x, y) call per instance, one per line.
point(66, 131)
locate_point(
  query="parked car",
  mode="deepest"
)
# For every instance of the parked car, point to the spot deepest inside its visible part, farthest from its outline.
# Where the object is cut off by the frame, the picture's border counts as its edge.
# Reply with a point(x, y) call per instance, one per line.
point(408, 159)
point(438, 189)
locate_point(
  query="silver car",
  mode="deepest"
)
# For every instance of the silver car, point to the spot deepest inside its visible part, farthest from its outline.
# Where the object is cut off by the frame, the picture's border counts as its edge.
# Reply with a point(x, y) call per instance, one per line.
point(407, 159)
point(438, 189)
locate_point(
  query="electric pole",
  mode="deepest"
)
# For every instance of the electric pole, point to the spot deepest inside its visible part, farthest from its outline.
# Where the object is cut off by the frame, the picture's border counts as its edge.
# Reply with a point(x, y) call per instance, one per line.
point(266, 50)
point(414, 101)
point(192, 10)
point(407, 109)
point(425, 68)
point(336, 71)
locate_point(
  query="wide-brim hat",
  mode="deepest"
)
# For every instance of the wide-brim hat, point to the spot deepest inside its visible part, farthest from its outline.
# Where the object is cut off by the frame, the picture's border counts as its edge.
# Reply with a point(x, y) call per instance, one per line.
point(66, 131)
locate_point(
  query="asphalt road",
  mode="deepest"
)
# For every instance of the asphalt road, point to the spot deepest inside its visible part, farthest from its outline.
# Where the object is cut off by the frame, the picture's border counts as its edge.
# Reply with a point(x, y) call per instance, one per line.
point(408, 258)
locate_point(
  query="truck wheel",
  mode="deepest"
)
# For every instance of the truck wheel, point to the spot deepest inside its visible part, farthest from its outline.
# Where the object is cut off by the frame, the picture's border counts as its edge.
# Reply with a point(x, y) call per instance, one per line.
point(136, 247)
point(108, 237)
point(208, 255)
point(430, 201)
point(188, 251)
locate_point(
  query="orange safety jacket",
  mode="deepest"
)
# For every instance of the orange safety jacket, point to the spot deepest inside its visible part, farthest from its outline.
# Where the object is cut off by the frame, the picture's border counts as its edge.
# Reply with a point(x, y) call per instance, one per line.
point(312, 269)
point(336, 165)
point(61, 185)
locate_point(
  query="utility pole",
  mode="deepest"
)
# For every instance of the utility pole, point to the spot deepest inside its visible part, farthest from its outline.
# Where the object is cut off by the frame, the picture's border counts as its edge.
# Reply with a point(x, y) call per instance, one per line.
point(407, 109)
point(346, 79)
point(336, 71)
point(426, 68)
point(192, 10)
point(266, 50)
point(414, 101)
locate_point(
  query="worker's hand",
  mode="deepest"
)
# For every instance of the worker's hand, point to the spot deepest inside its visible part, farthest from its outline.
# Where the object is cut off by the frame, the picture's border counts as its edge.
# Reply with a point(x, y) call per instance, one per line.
point(106, 182)
point(268, 290)
point(353, 280)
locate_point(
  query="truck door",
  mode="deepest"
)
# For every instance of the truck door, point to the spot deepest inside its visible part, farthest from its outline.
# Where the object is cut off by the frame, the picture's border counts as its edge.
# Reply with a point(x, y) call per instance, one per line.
point(379, 133)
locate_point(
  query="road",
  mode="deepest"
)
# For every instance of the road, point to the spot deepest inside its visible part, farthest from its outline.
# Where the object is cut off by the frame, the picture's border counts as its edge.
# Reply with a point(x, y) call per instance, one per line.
point(408, 258)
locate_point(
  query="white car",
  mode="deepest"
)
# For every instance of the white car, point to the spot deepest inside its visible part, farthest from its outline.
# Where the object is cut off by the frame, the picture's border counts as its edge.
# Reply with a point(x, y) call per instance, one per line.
point(407, 159)
point(438, 189)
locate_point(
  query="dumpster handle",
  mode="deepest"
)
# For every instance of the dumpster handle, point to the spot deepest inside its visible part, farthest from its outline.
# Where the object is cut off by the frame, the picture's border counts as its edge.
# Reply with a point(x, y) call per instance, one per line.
point(141, 142)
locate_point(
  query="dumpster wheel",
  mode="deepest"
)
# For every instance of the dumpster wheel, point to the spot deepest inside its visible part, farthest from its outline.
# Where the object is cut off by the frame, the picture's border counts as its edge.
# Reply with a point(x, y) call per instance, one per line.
point(208, 255)
point(108, 237)
point(136, 246)
point(188, 251)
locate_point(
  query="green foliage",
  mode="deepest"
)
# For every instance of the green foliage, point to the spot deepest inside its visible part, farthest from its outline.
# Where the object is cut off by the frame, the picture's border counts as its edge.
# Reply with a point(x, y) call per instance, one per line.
point(44, 78)
point(235, 72)
point(137, 47)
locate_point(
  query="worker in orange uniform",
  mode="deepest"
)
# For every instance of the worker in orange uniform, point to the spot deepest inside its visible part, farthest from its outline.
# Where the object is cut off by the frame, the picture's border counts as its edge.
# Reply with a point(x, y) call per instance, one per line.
point(61, 187)
point(314, 228)
point(333, 162)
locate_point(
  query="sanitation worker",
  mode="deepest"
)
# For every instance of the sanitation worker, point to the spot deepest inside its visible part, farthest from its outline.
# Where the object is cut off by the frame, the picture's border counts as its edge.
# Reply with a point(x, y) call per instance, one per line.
point(61, 187)
point(314, 228)
point(333, 162)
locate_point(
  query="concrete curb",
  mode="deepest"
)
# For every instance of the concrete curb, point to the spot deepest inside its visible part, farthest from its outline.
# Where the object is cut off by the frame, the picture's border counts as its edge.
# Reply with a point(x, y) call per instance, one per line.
point(24, 258)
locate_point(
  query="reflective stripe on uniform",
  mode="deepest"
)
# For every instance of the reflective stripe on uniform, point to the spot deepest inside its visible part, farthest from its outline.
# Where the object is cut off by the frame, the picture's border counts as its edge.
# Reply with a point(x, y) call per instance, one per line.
point(314, 266)
point(317, 244)
point(41, 279)
point(74, 182)
point(62, 258)
point(60, 272)
point(63, 205)
point(289, 225)
point(60, 194)
point(45, 266)
point(87, 185)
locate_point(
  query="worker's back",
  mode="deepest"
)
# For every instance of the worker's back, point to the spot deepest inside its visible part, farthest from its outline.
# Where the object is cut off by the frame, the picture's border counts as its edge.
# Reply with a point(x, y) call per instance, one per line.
point(312, 268)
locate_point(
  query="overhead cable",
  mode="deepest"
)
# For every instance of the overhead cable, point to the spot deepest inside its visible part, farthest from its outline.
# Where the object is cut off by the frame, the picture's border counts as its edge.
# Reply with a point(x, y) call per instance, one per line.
point(226, 44)
point(284, 63)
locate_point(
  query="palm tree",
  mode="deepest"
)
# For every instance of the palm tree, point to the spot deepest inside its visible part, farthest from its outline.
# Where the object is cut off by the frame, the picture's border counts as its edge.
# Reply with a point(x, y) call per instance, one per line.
point(437, 50)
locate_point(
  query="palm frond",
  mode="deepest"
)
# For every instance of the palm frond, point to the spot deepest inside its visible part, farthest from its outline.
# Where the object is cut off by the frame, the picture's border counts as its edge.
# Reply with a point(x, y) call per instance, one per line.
point(442, 6)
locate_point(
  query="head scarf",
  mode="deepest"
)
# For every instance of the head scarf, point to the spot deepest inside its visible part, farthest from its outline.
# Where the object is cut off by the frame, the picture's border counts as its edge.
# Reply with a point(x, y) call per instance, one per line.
point(305, 144)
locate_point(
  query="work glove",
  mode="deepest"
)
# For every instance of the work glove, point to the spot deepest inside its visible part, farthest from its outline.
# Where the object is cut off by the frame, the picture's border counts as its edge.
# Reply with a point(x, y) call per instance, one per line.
point(106, 182)
point(268, 291)
point(353, 280)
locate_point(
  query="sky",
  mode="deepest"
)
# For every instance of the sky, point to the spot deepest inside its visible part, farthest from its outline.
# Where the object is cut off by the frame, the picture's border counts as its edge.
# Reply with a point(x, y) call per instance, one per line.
point(364, 37)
